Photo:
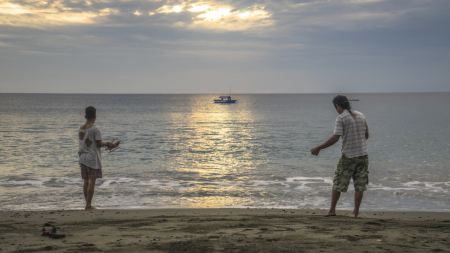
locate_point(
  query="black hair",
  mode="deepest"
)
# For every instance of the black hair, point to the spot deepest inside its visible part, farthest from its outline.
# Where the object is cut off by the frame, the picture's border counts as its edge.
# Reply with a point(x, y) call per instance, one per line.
point(342, 101)
point(90, 112)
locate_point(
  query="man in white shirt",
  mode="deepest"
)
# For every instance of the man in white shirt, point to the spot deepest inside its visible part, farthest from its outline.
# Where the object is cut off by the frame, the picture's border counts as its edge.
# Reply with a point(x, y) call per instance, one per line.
point(352, 126)
point(90, 142)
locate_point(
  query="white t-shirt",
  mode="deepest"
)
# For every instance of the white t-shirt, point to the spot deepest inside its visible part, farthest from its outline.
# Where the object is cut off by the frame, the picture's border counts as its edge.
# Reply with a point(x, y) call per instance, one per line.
point(90, 155)
point(352, 129)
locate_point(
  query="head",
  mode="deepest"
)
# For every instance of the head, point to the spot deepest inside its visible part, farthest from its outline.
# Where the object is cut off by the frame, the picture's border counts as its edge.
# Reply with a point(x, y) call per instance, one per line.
point(91, 113)
point(341, 103)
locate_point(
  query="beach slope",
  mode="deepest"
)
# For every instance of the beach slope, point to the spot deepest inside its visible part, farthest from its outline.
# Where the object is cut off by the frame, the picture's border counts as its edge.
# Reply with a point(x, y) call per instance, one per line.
point(225, 230)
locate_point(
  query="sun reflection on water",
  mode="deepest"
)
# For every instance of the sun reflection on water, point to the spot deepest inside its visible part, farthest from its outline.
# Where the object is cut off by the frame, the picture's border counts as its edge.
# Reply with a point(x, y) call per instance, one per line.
point(212, 201)
point(211, 144)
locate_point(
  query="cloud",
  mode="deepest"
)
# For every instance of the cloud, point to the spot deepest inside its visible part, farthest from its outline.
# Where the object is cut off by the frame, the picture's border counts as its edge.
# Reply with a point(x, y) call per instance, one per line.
point(169, 9)
point(2, 44)
point(42, 14)
point(281, 22)
point(213, 15)
point(188, 14)
point(345, 15)
point(262, 42)
point(9, 8)
point(363, 1)
point(199, 8)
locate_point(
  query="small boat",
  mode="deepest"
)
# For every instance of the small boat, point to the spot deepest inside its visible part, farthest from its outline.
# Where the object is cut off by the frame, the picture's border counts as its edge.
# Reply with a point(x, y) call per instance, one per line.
point(224, 100)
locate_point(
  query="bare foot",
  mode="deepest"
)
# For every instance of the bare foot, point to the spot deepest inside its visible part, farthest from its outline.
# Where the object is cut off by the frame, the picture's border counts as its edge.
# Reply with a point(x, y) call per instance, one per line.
point(90, 208)
point(355, 215)
point(330, 213)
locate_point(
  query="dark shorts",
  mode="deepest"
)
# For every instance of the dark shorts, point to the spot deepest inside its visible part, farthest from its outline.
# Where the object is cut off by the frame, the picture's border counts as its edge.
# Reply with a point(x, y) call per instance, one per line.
point(88, 173)
point(348, 168)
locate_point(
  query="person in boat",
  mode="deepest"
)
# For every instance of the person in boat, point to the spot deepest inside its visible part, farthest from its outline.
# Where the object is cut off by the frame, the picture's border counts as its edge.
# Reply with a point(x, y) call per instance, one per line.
point(351, 126)
point(90, 142)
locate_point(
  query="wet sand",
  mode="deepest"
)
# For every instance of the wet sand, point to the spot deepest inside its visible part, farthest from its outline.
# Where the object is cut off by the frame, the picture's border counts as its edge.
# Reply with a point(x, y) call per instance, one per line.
point(225, 230)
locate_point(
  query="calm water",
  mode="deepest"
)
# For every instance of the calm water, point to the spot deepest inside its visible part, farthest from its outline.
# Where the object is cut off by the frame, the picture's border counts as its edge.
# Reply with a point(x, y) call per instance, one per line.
point(185, 151)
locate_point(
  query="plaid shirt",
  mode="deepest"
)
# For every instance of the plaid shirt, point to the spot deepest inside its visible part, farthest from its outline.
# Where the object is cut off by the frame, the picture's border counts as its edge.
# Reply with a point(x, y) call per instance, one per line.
point(352, 129)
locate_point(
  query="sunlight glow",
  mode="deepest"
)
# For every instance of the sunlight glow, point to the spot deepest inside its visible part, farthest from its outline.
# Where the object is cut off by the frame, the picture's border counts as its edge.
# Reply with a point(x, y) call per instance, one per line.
point(215, 14)
point(213, 201)
point(199, 8)
point(170, 9)
point(73, 17)
point(12, 9)
point(224, 19)
point(54, 14)
point(137, 13)
point(214, 148)
point(244, 15)
point(108, 11)
point(177, 8)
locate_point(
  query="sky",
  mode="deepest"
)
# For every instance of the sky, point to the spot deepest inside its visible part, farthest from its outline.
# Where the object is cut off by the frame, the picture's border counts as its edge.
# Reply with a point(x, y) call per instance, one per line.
point(254, 46)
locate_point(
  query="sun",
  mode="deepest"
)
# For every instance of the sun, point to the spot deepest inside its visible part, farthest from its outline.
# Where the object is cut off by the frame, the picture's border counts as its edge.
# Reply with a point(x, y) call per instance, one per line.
point(215, 14)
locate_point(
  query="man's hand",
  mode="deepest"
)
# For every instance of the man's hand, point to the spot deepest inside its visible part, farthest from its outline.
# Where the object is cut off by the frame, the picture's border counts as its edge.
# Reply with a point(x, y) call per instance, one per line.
point(315, 151)
point(112, 145)
point(109, 145)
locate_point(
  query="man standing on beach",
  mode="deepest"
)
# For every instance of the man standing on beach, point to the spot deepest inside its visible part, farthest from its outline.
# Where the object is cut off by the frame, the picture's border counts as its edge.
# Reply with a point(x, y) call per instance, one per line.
point(352, 126)
point(90, 142)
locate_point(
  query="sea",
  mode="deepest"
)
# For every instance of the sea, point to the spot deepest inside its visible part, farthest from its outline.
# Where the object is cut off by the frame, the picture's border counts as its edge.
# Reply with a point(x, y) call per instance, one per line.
point(184, 151)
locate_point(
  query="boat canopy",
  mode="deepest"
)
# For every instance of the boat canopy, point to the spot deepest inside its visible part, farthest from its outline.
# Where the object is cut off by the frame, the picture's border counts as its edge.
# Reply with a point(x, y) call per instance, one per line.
point(224, 97)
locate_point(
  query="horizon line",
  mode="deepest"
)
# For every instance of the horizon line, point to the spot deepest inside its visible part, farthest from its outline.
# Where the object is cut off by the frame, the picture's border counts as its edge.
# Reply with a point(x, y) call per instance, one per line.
point(240, 93)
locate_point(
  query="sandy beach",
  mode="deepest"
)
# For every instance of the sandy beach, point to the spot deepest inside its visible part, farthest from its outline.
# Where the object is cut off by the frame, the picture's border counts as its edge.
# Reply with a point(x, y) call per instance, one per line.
point(225, 230)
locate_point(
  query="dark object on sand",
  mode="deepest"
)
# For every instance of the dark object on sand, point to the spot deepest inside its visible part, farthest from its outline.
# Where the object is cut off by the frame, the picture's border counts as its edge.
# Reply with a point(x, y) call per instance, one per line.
point(45, 231)
point(51, 232)
point(56, 235)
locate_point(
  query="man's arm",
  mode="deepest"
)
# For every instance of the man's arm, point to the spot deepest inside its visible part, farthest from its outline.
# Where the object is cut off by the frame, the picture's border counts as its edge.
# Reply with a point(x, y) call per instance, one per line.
point(100, 143)
point(108, 144)
point(367, 129)
point(329, 142)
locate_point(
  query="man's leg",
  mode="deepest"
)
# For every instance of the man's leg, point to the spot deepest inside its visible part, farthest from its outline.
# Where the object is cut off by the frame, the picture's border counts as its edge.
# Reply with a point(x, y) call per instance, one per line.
point(335, 195)
point(85, 189)
point(341, 180)
point(90, 195)
point(360, 180)
point(358, 199)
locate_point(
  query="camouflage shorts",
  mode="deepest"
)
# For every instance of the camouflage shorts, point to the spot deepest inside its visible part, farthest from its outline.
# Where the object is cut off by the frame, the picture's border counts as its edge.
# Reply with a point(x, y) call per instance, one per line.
point(348, 168)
